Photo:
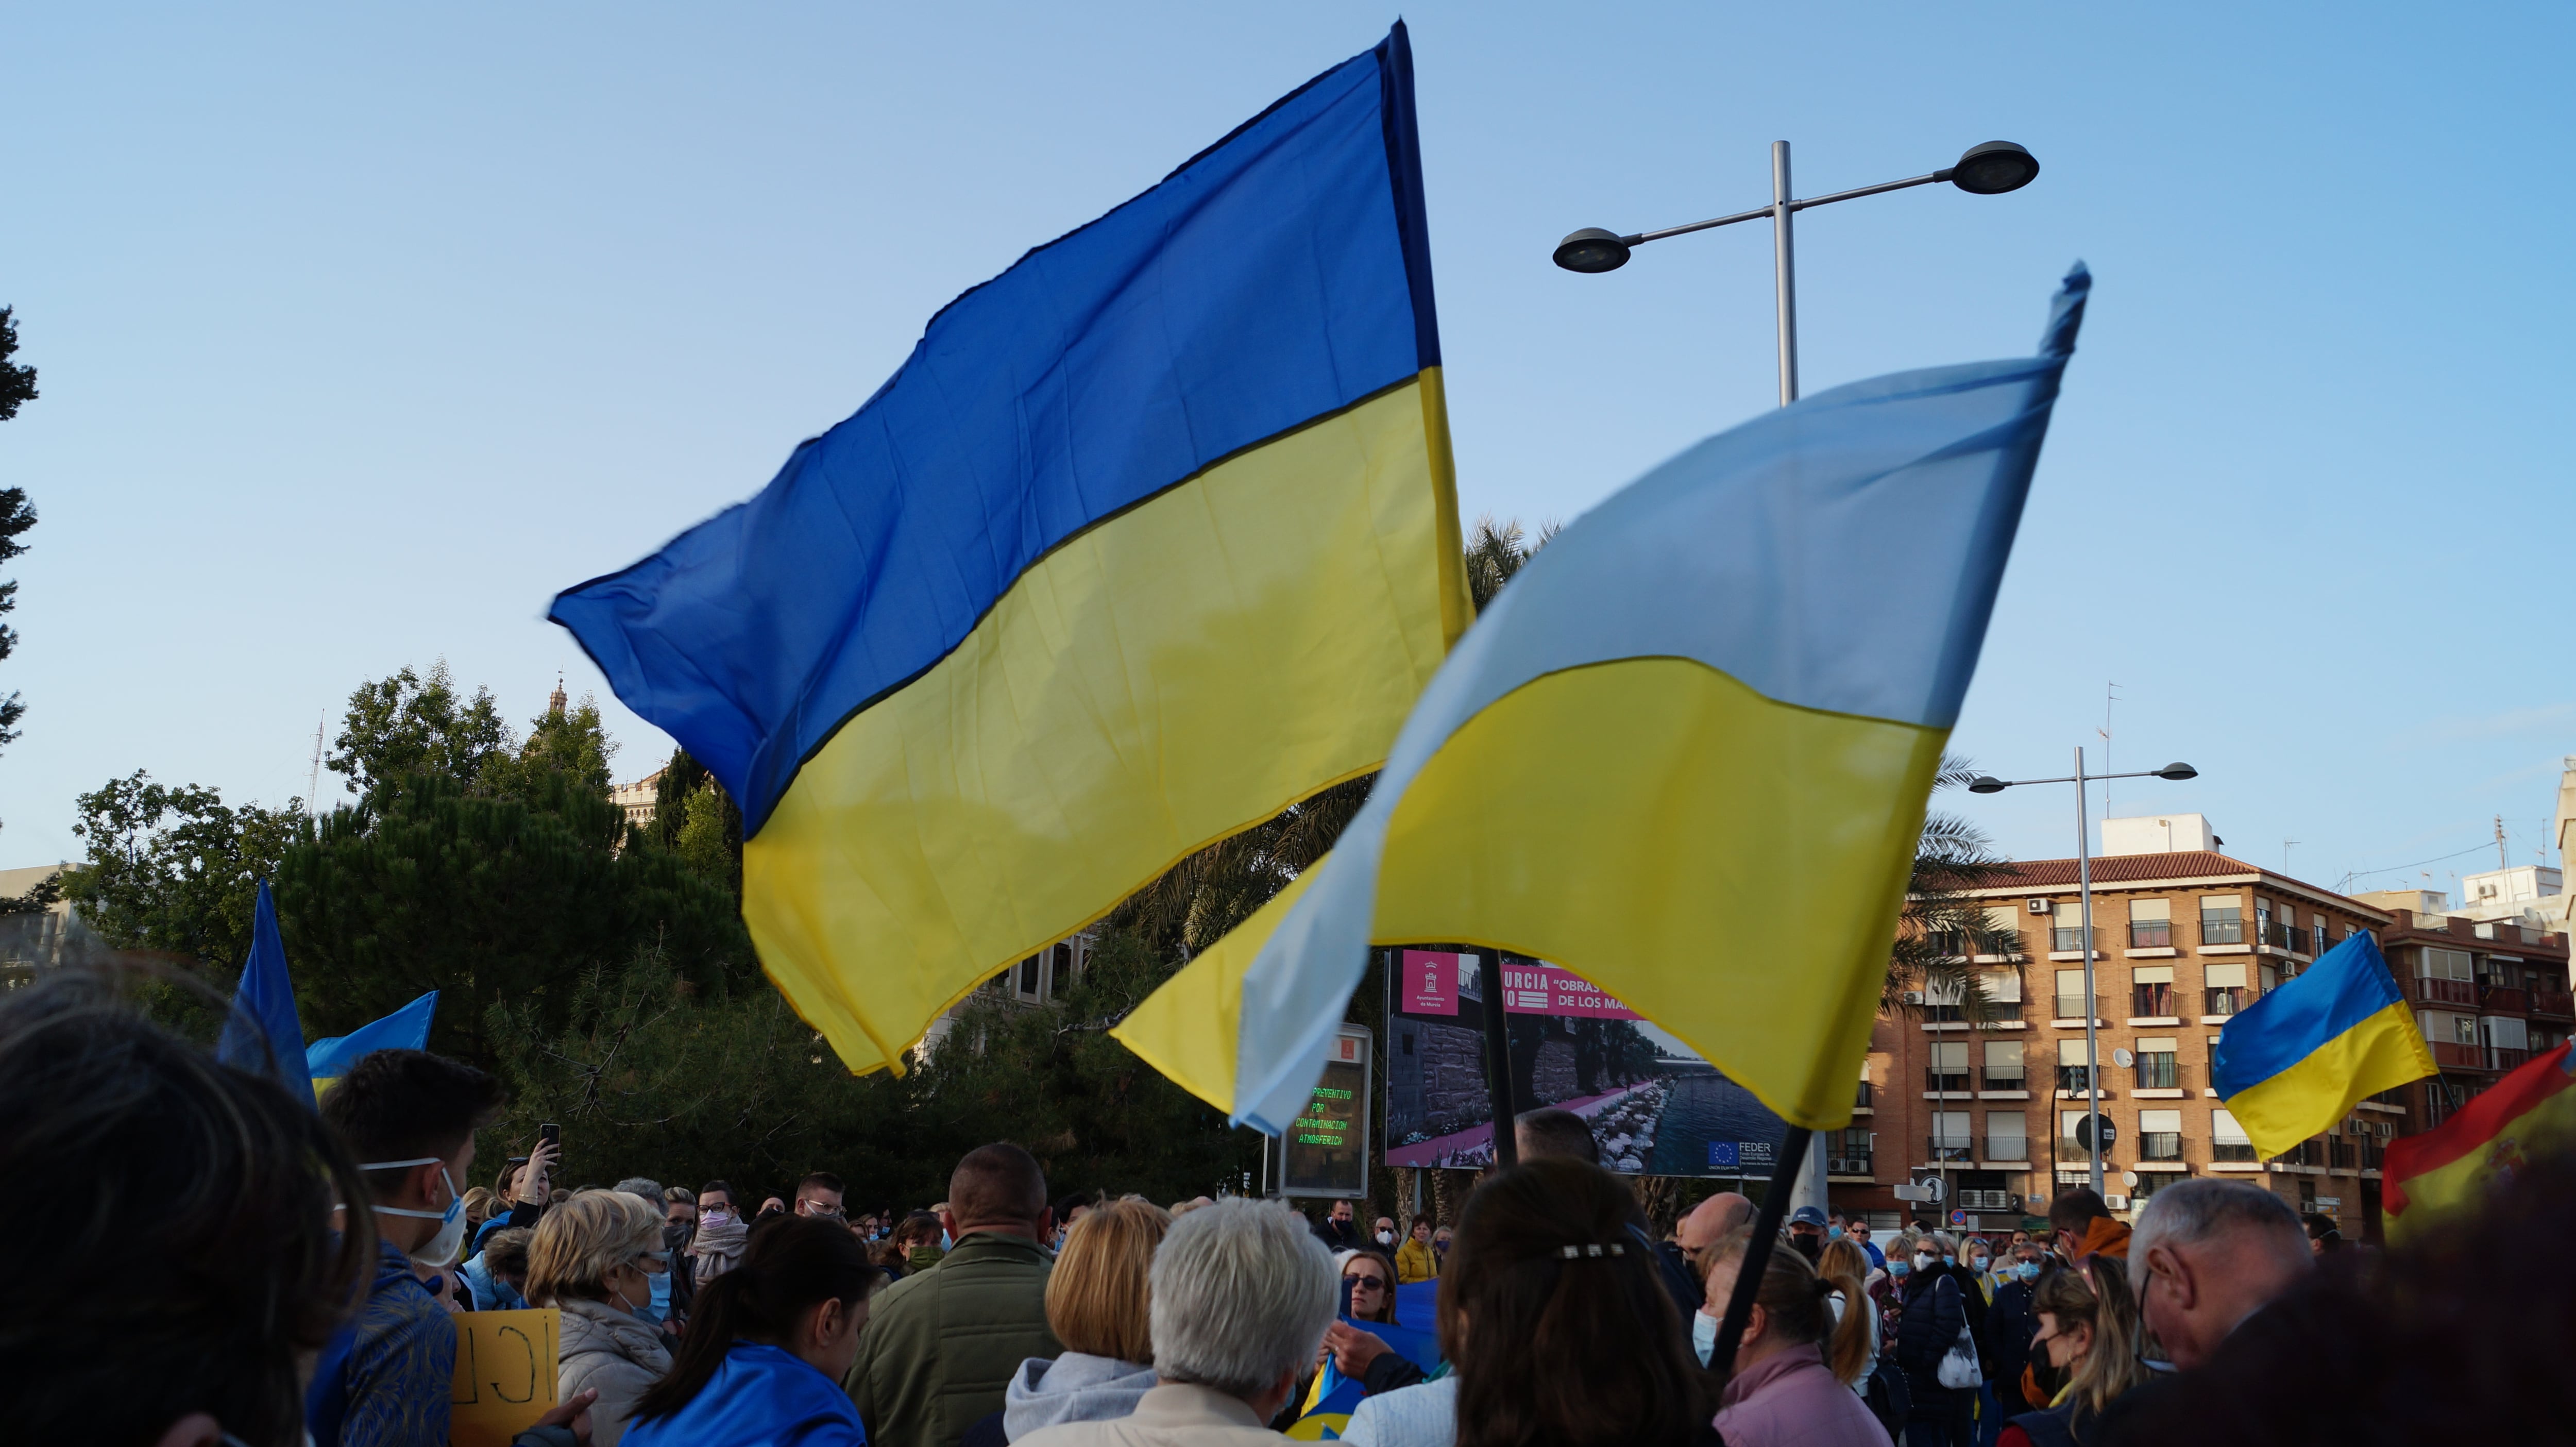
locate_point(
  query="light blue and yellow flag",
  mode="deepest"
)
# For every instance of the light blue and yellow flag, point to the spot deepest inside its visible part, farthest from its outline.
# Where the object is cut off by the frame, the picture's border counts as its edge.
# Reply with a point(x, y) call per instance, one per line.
point(405, 1029)
point(1684, 754)
point(1153, 535)
point(2297, 1061)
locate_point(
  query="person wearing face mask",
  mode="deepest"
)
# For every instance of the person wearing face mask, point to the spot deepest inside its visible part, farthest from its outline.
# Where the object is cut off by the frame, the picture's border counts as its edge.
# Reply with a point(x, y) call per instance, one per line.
point(717, 1244)
point(408, 1117)
point(2089, 1331)
point(2010, 1324)
point(593, 1259)
point(1796, 1361)
point(1933, 1313)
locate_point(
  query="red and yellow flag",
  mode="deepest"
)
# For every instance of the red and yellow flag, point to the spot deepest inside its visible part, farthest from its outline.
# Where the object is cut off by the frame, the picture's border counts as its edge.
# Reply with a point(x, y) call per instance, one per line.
point(2477, 1151)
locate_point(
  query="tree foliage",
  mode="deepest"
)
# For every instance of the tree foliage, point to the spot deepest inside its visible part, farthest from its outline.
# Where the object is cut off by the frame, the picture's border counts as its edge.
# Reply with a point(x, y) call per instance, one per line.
point(410, 724)
point(17, 515)
point(174, 869)
point(17, 380)
point(569, 743)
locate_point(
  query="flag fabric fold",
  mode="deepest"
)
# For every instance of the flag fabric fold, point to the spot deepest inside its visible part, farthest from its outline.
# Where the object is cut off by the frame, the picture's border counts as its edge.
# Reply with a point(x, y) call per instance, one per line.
point(2453, 1166)
point(405, 1029)
point(263, 1035)
point(2297, 1060)
point(1685, 753)
point(1153, 535)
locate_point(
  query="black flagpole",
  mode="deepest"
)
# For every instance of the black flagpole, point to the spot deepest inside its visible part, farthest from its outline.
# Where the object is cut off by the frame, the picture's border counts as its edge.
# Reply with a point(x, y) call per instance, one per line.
point(1757, 1254)
point(1498, 1064)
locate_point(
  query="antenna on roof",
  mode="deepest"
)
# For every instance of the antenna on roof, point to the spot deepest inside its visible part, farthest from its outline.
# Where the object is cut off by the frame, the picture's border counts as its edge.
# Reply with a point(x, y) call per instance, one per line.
point(2108, 698)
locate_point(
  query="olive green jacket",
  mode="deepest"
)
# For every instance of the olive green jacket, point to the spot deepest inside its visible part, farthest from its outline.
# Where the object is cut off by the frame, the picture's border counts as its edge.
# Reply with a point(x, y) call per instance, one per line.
point(942, 1345)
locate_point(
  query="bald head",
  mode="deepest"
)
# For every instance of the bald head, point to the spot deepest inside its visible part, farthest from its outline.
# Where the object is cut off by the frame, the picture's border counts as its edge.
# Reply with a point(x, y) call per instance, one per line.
point(1710, 1221)
point(997, 1187)
point(2213, 1253)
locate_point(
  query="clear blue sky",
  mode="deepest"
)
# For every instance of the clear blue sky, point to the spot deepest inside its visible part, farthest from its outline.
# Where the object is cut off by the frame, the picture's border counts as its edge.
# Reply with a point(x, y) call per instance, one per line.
point(362, 331)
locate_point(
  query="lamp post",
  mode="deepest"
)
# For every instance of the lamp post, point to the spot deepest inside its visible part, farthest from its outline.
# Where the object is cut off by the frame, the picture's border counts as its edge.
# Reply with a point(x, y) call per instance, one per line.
point(1987, 170)
point(1989, 784)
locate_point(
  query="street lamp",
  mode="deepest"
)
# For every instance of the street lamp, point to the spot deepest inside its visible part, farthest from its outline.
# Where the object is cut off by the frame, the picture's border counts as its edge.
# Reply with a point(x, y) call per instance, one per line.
point(1989, 784)
point(1987, 170)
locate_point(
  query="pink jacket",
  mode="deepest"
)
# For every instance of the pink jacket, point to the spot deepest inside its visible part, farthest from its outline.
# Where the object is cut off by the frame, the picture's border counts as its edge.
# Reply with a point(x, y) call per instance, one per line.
point(1791, 1399)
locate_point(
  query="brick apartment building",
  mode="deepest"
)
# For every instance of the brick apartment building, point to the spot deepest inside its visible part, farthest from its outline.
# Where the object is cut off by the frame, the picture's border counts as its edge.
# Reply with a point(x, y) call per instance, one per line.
point(2183, 938)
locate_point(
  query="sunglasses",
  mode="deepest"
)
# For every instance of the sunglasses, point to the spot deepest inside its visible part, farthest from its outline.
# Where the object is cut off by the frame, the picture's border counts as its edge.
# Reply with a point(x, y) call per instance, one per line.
point(1368, 1280)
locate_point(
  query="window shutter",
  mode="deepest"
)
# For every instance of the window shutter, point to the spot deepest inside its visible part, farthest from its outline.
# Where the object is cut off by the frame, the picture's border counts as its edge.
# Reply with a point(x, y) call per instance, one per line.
point(2152, 974)
point(2150, 1121)
point(2151, 911)
point(2229, 975)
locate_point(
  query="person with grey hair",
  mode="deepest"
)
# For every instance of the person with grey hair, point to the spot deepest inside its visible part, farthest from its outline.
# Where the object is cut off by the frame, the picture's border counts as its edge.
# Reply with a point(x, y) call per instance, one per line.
point(2214, 1253)
point(1241, 1294)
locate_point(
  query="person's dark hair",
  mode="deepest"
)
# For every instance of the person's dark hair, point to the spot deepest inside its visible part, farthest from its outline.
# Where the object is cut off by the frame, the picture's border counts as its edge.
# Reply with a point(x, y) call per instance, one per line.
point(2323, 1231)
point(1065, 1206)
point(789, 1264)
point(1386, 1309)
point(2075, 1208)
point(999, 1182)
point(711, 1187)
point(824, 1179)
point(398, 1105)
point(1421, 1218)
point(189, 1258)
point(1553, 1133)
point(918, 1227)
point(505, 1252)
point(1569, 1350)
point(2423, 1342)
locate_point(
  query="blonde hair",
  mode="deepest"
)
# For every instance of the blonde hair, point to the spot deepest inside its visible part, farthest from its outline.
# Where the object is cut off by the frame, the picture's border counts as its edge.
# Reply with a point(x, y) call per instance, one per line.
point(582, 1239)
point(1098, 1297)
point(2111, 1366)
point(1796, 1301)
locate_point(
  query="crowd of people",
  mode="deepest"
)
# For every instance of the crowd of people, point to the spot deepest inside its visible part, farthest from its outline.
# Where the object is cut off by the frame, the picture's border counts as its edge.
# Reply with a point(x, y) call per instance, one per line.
point(238, 1272)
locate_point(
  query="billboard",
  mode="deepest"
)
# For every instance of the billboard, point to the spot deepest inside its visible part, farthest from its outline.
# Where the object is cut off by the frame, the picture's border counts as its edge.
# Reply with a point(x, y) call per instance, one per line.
point(1655, 1107)
point(1324, 1152)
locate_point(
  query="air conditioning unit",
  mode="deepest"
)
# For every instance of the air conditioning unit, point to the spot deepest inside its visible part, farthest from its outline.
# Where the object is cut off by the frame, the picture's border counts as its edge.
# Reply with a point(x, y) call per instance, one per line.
point(2116, 1203)
point(2038, 904)
point(1988, 1201)
point(1847, 1165)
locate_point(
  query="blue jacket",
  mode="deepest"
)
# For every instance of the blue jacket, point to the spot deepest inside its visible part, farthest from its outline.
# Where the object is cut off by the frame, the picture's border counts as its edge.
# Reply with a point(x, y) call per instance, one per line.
point(385, 1380)
point(761, 1397)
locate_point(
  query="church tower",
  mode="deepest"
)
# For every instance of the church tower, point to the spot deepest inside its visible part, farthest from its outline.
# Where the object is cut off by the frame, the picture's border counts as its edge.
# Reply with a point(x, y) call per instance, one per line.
point(555, 700)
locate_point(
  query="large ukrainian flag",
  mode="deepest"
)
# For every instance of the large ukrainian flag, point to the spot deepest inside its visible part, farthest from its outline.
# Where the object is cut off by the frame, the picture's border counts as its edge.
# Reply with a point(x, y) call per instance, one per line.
point(2299, 1059)
point(1685, 753)
point(1153, 535)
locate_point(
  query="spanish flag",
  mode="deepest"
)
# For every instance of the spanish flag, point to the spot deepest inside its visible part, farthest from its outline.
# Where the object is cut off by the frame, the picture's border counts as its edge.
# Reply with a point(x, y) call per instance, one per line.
point(2478, 1150)
point(1684, 754)
point(2297, 1060)
point(1153, 535)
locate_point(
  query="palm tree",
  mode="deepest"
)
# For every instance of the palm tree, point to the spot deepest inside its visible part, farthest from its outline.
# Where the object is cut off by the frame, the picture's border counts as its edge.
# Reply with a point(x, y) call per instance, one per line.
point(1940, 926)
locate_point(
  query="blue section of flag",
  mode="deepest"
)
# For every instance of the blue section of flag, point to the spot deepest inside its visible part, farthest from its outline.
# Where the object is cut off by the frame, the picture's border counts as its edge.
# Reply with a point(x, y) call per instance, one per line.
point(2347, 985)
point(1275, 278)
point(404, 1029)
point(263, 1035)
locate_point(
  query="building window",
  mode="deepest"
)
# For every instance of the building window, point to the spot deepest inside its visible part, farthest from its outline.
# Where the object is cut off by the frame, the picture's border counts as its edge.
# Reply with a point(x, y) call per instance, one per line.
point(2159, 1135)
point(1949, 1068)
point(2007, 1136)
point(2151, 924)
point(1028, 981)
point(2225, 994)
point(1943, 1000)
point(2227, 1139)
point(2222, 919)
point(1950, 1136)
point(2151, 991)
point(2071, 1004)
point(2156, 1067)
point(2074, 1067)
point(1851, 1152)
point(2004, 1066)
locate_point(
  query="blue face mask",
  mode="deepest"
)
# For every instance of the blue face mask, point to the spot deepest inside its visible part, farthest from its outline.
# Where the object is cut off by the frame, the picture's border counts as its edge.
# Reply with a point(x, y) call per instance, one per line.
point(1833, 1233)
point(661, 1296)
point(1703, 1335)
point(1899, 1267)
point(2027, 1271)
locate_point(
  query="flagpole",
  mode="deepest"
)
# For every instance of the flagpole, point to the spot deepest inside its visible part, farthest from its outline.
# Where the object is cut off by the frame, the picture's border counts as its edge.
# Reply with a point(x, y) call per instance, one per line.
point(1498, 1065)
point(1757, 1252)
point(1784, 272)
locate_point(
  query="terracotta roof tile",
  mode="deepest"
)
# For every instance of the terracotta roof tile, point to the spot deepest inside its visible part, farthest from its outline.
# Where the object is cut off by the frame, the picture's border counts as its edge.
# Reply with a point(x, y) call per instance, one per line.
point(2126, 869)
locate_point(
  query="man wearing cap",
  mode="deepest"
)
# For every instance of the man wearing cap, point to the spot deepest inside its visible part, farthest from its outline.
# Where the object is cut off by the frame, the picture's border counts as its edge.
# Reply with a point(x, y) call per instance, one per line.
point(1807, 1232)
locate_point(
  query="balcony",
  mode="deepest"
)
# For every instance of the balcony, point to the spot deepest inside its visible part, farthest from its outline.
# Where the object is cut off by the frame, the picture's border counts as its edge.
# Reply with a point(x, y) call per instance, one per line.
point(2218, 1003)
point(2286, 937)
point(2159, 1072)
point(2343, 1155)
point(2151, 934)
point(2240, 1152)
point(2454, 1055)
point(2503, 1000)
point(2007, 1148)
point(1948, 1148)
point(2215, 931)
point(2556, 1004)
point(2153, 1001)
point(1861, 1102)
point(2442, 992)
point(2071, 941)
point(2305, 1153)
point(2071, 1007)
point(2372, 1155)
point(2074, 1077)
point(2160, 1145)
point(1946, 1080)
point(2014, 1081)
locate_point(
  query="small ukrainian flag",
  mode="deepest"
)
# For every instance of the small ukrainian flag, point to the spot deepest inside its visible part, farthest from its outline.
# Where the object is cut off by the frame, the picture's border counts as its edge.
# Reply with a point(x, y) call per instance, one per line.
point(2301, 1057)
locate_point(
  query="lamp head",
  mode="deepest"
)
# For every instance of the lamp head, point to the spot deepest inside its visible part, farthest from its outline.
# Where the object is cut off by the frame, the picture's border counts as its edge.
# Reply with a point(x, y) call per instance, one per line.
point(1592, 250)
point(1987, 784)
point(2177, 772)
point(1994, 168)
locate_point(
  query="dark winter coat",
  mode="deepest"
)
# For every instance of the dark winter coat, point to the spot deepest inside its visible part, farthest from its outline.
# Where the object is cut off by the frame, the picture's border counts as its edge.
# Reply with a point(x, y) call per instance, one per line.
point(2010, 1324)
point(1934, 1315)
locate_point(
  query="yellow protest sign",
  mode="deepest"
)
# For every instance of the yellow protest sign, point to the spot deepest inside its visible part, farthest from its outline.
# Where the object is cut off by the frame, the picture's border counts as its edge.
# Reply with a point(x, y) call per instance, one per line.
point(505, 1374)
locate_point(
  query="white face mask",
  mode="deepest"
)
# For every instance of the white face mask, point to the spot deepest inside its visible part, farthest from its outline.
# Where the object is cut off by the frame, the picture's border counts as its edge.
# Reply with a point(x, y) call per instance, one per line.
point(1925, 1260)
point(441, 1249)
point(1703, 1335)
point(1386, 1238)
